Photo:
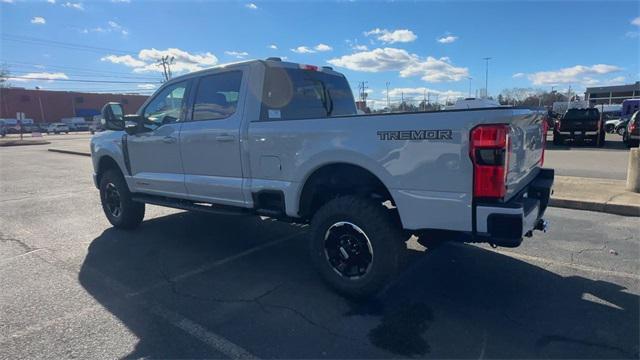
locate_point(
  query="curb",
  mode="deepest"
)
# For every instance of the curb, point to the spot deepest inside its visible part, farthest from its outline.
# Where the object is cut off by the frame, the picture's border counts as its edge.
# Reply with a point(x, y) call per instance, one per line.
point(23, 143)
point(70, 152)
point(616, 209)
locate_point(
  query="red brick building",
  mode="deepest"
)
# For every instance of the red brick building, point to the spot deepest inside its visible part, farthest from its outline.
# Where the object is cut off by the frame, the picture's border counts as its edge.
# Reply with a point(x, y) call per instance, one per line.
point(51, 106)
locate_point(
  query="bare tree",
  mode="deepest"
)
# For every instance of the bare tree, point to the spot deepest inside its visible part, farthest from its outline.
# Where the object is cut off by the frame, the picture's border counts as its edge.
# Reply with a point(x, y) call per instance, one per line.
point(4, 77)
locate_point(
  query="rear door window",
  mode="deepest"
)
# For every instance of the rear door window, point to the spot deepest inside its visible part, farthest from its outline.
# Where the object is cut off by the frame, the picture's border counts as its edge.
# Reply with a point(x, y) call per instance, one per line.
point(217, 96)
point(291, 94)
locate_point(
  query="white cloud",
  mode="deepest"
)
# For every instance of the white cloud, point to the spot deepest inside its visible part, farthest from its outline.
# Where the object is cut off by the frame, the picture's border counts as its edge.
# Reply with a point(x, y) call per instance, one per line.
point(447, 39)
point(518, 75)
point(147, 59)
point(237, 54)
point(632, 34)
point(419, 93)
point(574, 74)
point(77, 6)
point(120, 1)
point(38, 20)
point(7, 1)
point(251, 6)
point(112, 26)
point(273, 47)
point(358, 47)
point(308, 50)
point(51, 1)
point(40, 76)
point(636, 21)
point(322, 47)
point(408, 65)
point(303, 50)
point(126, 60)
point(390, 37)
point(147, 86)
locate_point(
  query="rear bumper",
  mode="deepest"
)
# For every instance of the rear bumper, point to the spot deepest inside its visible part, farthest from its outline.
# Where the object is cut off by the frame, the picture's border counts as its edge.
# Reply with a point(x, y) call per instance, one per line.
point(505, 224)
point(577, 133)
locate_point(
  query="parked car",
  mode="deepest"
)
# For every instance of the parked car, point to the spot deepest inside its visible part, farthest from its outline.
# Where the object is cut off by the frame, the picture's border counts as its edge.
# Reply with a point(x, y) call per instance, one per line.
point(621, 127)
point(579, 125)
point(296, 150)
point(631, 136)
point(58, 128)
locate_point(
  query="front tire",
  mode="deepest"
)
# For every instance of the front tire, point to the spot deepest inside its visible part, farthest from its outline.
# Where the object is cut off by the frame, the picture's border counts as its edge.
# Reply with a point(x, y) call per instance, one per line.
point(121, 211)
point(355, 245)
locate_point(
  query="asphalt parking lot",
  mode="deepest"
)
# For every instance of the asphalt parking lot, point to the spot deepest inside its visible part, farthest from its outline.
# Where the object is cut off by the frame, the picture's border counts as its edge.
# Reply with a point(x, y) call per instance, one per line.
point(188, 285)
point(586, 160)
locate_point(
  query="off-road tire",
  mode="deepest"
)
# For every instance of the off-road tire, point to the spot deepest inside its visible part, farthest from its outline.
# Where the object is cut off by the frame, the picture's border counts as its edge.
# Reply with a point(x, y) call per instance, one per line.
point(383, 232)
point(131, 213)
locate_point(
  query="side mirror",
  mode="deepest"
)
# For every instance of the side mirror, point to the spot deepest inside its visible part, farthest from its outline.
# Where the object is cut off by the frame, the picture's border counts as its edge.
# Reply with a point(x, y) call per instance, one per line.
point(113, 116)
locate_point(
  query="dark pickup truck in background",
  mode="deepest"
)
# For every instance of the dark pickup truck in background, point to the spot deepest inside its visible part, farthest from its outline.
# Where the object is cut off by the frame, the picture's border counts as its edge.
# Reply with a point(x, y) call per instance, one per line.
point(579, 125)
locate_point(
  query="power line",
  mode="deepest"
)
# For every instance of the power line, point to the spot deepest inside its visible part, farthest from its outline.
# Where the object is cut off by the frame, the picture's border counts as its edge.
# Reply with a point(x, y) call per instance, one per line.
point(62, 44)
point(78, 80)
point(150, 80)
point(22, 64)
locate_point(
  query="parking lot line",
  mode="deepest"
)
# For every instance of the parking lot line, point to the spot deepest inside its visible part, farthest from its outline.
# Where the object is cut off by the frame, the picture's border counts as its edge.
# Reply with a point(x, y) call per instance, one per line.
point(213, 264)
point(215, 341)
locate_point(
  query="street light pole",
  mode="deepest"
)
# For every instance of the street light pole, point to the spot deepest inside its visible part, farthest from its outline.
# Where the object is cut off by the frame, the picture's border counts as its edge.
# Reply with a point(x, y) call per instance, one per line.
point(470, 78)
point(486, 77)
point(388, 104)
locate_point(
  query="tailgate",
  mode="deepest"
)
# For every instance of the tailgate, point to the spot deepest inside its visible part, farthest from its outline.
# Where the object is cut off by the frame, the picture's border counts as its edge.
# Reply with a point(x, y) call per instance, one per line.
point(526, 146)
point(578, 125)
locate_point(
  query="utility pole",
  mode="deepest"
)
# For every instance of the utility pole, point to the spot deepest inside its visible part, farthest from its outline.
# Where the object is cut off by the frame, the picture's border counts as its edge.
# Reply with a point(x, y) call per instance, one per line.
point(470, 78)
point(402, 100)
point(388, 103)
point(166, 63)
point(362, 87)
point(424, 100)
point(486, 77)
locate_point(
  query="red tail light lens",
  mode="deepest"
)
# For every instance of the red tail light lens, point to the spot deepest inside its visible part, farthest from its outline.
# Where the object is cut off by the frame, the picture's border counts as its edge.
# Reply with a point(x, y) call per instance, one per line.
point(489, 153)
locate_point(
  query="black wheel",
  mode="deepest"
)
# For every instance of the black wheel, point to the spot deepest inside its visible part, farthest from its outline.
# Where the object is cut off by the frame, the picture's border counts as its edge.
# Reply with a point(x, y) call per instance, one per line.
point(620, 131)
point(557, 139)
point(355, 245)
point(121, 211)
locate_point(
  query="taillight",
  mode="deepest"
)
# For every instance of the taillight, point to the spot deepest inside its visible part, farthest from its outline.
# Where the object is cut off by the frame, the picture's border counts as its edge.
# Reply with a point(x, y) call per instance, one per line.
point(488, 149)
point(632, 126)
point(558, 125)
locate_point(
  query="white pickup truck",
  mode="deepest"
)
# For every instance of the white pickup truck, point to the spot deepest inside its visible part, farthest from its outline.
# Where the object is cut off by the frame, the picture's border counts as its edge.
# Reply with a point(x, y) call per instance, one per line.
point(284, 140)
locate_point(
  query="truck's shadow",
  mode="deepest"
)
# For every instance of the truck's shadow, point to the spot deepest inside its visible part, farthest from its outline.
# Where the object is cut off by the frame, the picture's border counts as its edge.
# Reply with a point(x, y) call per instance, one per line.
point(457, 301)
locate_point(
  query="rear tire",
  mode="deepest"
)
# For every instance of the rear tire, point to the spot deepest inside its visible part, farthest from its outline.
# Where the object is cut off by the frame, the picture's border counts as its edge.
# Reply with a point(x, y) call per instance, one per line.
point(355, 245)
point(121, 211)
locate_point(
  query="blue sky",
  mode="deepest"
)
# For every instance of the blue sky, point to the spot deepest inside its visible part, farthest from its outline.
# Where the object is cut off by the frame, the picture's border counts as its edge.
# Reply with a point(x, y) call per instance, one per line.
point(415, 46)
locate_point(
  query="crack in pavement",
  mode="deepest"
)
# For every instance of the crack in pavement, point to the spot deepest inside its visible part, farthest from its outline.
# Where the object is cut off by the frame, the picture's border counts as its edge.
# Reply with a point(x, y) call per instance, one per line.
point(24, 246)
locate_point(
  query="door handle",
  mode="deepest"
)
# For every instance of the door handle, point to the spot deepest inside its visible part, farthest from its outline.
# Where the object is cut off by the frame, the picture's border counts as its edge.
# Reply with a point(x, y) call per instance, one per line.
point(169, 139)
point(225, 137)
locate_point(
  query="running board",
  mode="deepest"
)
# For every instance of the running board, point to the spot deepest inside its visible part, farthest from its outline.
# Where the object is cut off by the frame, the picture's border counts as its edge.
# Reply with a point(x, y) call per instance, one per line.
point(191, 205)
